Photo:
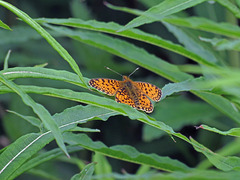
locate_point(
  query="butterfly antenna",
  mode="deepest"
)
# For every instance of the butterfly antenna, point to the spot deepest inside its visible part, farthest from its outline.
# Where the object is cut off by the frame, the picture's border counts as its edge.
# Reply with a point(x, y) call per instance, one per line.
point(113, 70)
point(133, 71)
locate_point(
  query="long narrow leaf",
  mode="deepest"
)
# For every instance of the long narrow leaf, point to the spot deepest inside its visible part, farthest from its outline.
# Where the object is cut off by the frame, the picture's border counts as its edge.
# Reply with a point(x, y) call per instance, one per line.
point(126, 50)
point(45, 35)
point(42, 113)
point(230, 6)
point(208, 25)
point(142, 58)
point(232, 132)
point(222, 163)
point(38, 72)
point(41, 158)
point(128, 153)
point(86, 173)
point(131, 33)
point(26, 146)
point(3, 25)
point(160, 11)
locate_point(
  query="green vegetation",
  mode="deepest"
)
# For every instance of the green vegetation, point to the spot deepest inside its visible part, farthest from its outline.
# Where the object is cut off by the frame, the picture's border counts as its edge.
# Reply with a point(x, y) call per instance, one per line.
point(57, 127)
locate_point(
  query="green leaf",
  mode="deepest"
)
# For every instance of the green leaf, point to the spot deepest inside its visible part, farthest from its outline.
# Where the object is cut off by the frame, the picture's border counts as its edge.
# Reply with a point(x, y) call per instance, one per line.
point(38, 72)
point(3, 25)
point(194, 175)
point(143, 169)
point(127, 153)
point(192, 43)
point(220, 103)
point(33, 120)
point(207, 25)
point(186, 113)
point(102, 165)
point(223, 44)
point(198, 23)
point(231, 132)
point(220, 162)
point(118, 47)
point(65, 55)
point(131, 33)
point(41, 158)
point(232, 148)
point(16, 154)
point(42, 113)
point(5, 66)
point(230, 6)
point(80, 129)
point(188, 85)
point(86, 173)
point(121, 48)
point(160, 11)
point(19, 152)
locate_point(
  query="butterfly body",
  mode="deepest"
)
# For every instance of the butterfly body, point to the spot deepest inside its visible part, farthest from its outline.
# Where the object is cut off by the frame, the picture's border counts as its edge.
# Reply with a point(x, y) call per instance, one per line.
point(135, 94)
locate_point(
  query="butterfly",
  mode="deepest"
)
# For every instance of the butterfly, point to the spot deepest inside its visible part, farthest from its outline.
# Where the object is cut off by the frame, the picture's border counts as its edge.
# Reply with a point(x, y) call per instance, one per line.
point(135, 94)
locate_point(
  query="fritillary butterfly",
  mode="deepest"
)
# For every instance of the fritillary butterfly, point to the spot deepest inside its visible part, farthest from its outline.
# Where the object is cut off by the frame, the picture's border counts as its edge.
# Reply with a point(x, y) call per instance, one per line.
point(135, 94)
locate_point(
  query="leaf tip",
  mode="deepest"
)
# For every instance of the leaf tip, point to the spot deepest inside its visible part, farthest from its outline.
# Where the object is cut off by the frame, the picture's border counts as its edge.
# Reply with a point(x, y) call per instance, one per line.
point(199, 127)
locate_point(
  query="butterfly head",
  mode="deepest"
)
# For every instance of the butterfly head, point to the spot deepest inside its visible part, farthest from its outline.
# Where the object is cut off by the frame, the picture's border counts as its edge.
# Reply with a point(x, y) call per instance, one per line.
point(125, 78)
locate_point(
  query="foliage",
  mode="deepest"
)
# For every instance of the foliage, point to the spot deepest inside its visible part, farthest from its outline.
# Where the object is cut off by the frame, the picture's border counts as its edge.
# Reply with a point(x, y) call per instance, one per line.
point(196, 57)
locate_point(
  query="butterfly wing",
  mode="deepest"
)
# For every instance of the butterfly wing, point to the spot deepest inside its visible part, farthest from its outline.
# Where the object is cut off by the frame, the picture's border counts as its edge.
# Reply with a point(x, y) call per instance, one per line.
point(144, 103)
point(123, 96)
point(108, 86)
point(136, 99)
point(150, 90)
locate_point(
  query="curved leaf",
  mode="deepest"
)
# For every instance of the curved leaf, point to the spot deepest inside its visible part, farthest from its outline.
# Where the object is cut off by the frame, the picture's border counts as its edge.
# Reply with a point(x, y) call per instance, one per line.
point(42, 113)
point(86, 173)
point(45, 35)
point(160, 11)
point(3, 25)
point(26, 146)
point(127, 153)
point(131, 33)
point(232, 132)
point(223, 163)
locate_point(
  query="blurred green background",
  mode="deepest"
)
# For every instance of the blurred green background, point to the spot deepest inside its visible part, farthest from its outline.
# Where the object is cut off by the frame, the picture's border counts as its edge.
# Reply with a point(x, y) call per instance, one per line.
point(29, 49)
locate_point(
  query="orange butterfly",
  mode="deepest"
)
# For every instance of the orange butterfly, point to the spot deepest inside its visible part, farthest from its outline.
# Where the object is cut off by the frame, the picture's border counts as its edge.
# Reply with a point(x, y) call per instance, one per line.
point(135, 94)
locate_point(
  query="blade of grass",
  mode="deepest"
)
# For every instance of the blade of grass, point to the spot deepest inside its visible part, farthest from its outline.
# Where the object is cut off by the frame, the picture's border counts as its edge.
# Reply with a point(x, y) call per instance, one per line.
point(3, 25)
point(5, 66)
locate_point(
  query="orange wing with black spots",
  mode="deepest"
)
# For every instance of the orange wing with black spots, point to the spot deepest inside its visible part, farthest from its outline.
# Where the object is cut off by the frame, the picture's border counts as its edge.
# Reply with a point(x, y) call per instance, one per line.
point(136, 99)
point(143, 102)
point(150, 90)
point(135, 94)
point(123, 96)
point(108, 86)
